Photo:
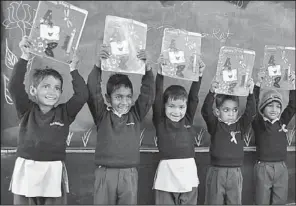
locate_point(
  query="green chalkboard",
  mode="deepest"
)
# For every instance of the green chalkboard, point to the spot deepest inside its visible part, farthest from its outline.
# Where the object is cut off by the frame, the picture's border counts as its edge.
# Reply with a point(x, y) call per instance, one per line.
point(221, 23)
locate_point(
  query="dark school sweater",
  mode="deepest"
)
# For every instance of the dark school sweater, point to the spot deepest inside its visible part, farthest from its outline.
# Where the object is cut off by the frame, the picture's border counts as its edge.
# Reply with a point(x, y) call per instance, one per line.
point(223, 151)
point(118, 138)
point(270, 139)
point(175, 140)
point(42, 137)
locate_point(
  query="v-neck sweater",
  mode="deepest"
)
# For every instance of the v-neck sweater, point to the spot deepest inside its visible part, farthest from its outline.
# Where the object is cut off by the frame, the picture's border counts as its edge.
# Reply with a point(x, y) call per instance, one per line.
point(224, 150)
point(118, 138)
point(270, 138)
point(42, 136)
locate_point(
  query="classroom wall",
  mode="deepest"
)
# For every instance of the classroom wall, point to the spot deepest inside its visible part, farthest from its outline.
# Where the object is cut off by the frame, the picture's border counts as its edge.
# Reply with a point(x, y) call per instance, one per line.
point(249, 25)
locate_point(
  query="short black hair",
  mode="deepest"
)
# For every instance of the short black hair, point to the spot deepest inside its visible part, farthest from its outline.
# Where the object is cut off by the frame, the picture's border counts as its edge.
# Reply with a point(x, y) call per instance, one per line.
point(40, 74)
point(174, 92)
point(221, 98)
point(116, 81)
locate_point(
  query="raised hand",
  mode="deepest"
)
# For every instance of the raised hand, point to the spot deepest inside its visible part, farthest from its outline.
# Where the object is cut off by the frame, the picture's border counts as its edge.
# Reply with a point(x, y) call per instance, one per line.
point(202, 66)
point(103, 53)
point(214, 86)
point(74, 63)
point(25, 46)
point(250, 85)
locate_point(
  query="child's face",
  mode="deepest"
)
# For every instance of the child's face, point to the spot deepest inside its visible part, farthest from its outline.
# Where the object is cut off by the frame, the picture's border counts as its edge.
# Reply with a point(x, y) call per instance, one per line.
point(272, 110)
point(228, 111)
point(121, 100)
point(48, 91)
point(175, 110)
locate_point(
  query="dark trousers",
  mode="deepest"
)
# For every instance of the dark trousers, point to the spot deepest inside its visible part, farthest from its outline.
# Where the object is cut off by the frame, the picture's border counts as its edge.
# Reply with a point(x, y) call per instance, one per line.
point(115, 186)
point(224, 186)
point(174, 198)
point(22, 200)
point(271, 183)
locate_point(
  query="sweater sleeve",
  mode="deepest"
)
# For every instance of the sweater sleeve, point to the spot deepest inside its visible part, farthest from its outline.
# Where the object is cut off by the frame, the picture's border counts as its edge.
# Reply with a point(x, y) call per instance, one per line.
point(146, 96)
point(158, 101)
point(79, 97)
point(207, 113)
point(95, 101)
point(250, 112)
point(193, 100)
point(290, 110)
point(17, 90)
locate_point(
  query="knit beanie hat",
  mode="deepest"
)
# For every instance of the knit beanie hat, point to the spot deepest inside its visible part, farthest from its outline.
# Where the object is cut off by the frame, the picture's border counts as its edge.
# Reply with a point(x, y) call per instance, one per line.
point(268, 97)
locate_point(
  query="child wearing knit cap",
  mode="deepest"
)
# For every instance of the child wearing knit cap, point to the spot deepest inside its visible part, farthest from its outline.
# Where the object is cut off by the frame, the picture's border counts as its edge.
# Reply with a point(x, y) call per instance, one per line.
point(270, 170)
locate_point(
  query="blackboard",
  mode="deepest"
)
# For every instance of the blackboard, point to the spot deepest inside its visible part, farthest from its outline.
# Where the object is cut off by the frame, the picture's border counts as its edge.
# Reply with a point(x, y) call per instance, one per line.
point(248, 25)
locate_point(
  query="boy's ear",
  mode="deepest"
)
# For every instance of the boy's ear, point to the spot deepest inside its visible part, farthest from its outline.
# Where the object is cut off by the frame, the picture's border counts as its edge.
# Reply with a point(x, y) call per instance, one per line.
point(33, 90)
point(108, 99)
point(217, 111)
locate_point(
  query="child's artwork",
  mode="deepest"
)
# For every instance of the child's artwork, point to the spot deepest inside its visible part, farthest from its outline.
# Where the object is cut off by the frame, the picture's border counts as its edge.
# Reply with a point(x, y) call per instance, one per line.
point(279, 67)
point(234, 69)
point(181, 50)
point(125, 37)
point(57, 29)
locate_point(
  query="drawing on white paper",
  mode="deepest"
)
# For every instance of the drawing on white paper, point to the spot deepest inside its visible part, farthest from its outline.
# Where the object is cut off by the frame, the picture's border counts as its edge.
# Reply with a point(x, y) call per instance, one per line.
point(50, 32)
point(69, 138)
point(13, 20)
point(85, 137)
point(6, 91)
point(10, 57)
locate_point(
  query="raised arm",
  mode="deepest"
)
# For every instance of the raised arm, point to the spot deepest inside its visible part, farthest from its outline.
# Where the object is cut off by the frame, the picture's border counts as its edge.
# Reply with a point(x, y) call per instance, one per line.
point(193, 93)
point(250, 111)
point(207, 112)
point(16, 84)
point(95, 101)
point(290, 110)
point(146, 96)
point(17, 90)
point(158, 101)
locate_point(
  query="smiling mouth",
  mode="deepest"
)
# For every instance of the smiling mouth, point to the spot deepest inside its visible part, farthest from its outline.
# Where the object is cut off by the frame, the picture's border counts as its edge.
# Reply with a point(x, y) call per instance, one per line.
point(50, 98)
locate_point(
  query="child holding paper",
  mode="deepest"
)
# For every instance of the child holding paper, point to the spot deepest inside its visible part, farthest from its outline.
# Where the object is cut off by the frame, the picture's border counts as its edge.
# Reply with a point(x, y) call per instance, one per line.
point(176, 179)
point(39, 175)
point(270, 171)
point(224, 178)
point(118, 127)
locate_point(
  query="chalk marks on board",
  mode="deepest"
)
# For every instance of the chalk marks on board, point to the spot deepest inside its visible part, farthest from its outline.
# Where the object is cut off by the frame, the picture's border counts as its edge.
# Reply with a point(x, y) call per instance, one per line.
point(290, 135)
point(85, 137)
point(19, 16)
point(10, 57)
point(199, 137)
point(6, 91)
point(69, 138)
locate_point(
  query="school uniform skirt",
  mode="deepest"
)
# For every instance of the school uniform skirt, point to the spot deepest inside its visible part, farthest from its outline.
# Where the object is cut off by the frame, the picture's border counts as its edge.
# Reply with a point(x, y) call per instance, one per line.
point(39, 179)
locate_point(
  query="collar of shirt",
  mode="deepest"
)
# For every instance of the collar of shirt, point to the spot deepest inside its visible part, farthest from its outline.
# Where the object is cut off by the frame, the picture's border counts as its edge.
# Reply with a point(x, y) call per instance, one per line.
point(115, 112)
point(268, 120)
point(229, 123)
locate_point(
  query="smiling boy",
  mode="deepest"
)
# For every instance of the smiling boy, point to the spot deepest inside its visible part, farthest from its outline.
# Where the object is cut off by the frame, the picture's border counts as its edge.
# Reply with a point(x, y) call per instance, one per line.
point(270, 171)
point(118, 132)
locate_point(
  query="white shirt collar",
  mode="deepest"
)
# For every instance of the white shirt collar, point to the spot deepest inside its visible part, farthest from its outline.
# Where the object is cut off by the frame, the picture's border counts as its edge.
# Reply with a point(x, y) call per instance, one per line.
point(268, 120)
point(115, 112)
point(228, 123)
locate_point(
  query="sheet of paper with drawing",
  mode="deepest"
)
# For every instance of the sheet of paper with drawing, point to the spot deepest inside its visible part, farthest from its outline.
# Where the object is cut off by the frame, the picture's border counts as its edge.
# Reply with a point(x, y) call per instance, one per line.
point(125, 37)
point(234, 69)
point(56, 30)
point(181, 50)
point(279, 67)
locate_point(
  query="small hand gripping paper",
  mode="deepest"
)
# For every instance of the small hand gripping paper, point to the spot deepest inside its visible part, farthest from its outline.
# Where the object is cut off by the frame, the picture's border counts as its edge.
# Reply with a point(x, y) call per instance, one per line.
point(124, 37)
point(181, 50)
point(54, 33)
point(234, 69)
point(279, 67)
